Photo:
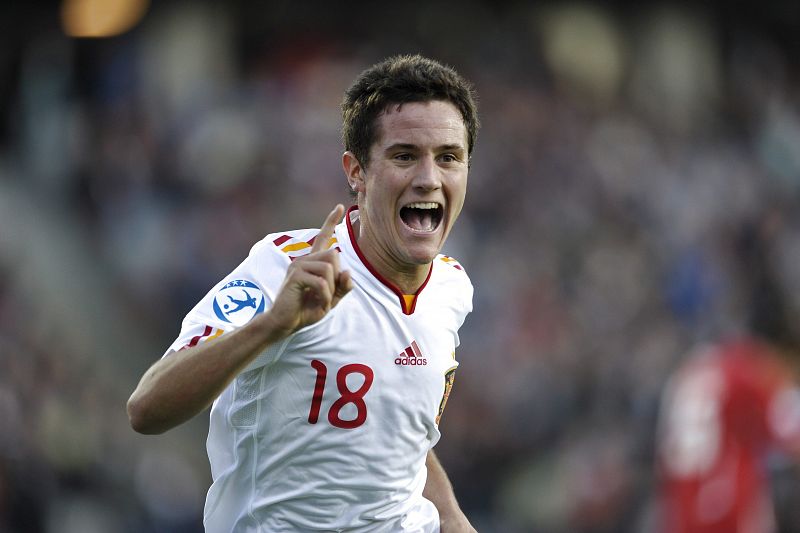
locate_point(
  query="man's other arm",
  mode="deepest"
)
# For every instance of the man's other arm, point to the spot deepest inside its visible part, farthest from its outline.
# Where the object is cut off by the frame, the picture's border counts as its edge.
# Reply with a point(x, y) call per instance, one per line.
point(439, 490)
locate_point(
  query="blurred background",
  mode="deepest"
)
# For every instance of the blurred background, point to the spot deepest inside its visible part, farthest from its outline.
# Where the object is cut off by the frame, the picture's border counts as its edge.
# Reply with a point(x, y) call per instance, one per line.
point(144, 147)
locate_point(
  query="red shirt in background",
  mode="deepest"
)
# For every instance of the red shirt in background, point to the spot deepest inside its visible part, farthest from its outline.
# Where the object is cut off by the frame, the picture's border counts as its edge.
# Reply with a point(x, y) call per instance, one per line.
point(722, 412)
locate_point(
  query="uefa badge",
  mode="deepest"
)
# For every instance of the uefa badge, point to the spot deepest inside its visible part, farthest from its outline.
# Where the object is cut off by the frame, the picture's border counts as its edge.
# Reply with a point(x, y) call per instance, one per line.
point(238, 301)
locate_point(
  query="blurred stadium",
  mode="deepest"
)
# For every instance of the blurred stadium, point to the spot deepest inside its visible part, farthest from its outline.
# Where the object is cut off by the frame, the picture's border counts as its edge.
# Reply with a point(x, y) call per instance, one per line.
point(144, 147)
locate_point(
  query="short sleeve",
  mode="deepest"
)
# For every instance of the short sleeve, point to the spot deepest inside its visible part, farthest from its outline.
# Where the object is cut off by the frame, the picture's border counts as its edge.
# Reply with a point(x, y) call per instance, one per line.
point(249, 290)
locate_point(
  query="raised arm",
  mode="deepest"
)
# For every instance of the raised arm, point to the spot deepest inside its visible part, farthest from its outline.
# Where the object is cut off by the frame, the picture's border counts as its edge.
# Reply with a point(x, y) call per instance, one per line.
point(439, 491)
point(184, 383)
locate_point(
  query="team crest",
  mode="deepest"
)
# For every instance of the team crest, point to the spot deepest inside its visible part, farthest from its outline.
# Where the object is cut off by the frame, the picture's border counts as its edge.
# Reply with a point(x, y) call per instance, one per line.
point(238, 301)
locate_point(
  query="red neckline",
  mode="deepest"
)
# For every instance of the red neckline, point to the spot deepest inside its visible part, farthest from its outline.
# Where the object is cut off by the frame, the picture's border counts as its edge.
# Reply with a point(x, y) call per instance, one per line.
point(394, 288)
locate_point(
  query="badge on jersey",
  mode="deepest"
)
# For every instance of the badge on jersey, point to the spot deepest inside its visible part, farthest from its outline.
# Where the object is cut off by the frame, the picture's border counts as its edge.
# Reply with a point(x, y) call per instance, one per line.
point(238, 301)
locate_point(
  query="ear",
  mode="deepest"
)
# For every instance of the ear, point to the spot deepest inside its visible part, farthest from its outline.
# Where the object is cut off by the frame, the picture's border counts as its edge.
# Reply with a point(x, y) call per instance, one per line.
point(354, 172)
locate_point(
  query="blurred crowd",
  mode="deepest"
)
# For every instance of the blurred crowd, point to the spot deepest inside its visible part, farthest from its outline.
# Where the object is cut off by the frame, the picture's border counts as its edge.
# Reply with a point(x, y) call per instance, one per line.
point(623, 152)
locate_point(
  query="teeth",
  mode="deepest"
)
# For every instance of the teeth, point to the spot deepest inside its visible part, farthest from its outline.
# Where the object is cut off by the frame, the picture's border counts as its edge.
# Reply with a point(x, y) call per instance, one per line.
point(423, 205)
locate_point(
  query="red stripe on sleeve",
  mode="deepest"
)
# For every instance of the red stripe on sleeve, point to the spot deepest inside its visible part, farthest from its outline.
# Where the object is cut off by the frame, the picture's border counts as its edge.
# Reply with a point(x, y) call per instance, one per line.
point(195, 340)
point(280, 240)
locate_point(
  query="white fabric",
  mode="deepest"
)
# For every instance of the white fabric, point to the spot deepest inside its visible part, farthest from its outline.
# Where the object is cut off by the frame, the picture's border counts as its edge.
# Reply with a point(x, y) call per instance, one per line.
point(273, 470)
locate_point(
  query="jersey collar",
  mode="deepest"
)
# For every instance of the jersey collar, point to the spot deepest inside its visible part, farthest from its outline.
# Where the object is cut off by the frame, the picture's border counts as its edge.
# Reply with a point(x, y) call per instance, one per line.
point(407, 306)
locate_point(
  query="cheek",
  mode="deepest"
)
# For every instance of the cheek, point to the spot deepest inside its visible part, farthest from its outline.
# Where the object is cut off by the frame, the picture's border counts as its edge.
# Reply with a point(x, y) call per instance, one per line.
point(384, 188)
point(379, 203)
point(458, 191)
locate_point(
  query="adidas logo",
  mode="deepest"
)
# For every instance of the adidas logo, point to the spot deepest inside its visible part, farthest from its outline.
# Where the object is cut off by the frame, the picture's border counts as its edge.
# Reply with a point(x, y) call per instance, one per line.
point(411, 356)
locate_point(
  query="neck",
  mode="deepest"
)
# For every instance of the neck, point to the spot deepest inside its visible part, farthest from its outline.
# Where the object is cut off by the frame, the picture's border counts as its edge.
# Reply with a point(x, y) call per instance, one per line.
point(407, 278)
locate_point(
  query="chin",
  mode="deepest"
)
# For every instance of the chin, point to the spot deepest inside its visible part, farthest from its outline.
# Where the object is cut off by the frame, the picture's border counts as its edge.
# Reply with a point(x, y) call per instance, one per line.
point(423, 249)
point(422, 257)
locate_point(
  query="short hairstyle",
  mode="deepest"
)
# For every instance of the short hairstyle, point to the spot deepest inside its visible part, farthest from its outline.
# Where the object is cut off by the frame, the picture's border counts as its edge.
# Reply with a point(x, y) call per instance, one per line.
point(399, 80)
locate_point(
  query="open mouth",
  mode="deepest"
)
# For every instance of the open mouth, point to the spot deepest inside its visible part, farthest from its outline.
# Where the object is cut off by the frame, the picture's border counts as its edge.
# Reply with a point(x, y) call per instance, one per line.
point(422, 216)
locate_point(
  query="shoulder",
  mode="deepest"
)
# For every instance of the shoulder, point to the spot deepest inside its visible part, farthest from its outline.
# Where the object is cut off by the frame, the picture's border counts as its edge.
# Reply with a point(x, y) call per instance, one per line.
point(451, 276)
point(289, 245)
point(452, 261)
point(450, 268)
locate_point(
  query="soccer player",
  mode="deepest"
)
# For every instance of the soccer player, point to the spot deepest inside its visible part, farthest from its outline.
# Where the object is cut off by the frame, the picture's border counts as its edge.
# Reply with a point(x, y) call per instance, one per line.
point(327, 355)
point(725, 409)
point(723, 412)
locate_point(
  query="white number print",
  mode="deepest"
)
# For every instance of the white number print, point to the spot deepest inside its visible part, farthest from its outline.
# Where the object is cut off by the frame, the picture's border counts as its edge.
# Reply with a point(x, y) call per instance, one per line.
point(692, 425)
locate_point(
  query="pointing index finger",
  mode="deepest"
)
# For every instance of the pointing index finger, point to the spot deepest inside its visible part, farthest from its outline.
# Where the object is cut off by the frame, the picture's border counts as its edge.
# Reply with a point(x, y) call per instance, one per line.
point(326, 232)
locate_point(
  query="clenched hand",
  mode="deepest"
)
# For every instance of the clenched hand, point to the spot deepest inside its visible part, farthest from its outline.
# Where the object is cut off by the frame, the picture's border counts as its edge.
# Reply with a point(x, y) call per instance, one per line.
point(314, 283)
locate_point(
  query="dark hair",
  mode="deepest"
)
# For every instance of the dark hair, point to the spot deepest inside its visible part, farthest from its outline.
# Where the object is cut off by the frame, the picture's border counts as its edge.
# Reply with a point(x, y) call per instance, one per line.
point(398, 80)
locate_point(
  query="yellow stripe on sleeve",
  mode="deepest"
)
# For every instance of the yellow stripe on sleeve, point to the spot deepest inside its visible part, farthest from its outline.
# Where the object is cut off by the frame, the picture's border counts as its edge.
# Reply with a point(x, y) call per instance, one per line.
point(296, 246)
point(215, 335)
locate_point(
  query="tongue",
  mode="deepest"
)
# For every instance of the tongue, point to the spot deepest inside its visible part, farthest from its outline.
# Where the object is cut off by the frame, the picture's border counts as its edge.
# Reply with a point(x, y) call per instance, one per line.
point(418, 219)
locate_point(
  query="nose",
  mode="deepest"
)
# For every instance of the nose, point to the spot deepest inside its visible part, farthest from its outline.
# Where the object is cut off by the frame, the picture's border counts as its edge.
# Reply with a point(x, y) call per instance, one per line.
point(427, 176)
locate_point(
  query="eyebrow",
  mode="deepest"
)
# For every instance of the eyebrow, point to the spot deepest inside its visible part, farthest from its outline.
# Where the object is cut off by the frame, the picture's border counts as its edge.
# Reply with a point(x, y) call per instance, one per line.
point(409, 146)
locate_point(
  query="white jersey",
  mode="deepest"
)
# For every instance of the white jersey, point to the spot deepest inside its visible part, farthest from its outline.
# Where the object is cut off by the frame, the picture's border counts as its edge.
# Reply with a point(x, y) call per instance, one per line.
point(329, 430)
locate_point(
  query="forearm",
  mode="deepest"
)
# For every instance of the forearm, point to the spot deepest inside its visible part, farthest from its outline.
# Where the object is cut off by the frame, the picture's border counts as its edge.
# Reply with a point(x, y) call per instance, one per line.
point(183, 384)
point(439, 490)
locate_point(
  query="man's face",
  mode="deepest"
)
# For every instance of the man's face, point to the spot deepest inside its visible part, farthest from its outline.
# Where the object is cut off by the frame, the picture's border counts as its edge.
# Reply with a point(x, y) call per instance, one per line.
point(414, 188)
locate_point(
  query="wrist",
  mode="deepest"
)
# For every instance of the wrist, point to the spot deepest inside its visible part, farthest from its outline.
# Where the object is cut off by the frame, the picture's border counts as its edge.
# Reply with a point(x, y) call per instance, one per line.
point(270, 328)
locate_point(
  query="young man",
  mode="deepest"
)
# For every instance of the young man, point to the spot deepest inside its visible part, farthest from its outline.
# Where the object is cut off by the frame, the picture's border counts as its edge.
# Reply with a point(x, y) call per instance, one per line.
point(329, 354)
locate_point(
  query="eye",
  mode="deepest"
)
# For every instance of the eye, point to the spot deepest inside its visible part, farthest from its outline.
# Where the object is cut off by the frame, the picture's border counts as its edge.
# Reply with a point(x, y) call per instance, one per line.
point(448, 158)
point(404, 156)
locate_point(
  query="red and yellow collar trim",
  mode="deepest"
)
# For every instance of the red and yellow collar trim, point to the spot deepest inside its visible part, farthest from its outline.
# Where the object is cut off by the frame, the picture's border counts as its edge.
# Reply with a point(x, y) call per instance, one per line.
point(408, 302)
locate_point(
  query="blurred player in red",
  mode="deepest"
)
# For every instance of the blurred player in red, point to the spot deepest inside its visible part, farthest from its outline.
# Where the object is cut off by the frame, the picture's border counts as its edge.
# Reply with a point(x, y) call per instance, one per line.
point(725, 410)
